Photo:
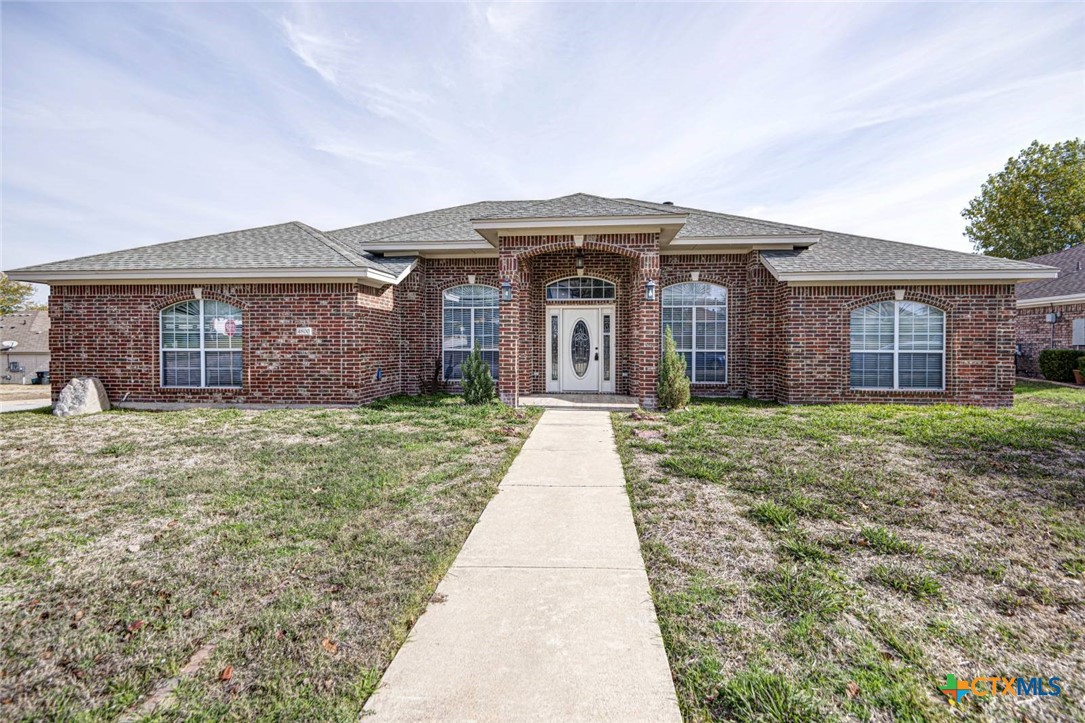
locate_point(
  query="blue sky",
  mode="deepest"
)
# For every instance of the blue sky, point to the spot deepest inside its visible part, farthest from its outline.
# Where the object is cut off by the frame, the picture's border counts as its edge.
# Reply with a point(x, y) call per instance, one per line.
point(128, 124)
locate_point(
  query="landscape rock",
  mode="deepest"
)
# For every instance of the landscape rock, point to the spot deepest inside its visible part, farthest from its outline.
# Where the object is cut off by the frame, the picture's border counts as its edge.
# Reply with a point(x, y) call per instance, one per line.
point(82, 395)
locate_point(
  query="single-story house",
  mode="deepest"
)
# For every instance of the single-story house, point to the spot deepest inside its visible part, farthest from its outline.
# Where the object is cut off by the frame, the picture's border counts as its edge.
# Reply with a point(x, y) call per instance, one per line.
point(24, 345)
point(569, 294)
point(1051, 312)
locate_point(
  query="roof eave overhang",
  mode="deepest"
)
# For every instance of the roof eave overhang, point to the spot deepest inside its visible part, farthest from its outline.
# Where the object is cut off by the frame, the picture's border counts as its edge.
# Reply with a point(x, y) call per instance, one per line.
point(1051, 300)
point(368, 277)
point(666, 226)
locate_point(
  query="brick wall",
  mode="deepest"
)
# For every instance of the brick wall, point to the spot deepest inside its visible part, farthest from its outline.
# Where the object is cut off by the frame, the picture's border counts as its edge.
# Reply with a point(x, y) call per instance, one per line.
point(1034, 334)
point(785, 343)
point(111, 332)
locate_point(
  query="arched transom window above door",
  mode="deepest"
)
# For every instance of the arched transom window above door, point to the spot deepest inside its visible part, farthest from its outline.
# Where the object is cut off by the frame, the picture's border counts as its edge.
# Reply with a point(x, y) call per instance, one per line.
point(696, 314)
point(580, 288)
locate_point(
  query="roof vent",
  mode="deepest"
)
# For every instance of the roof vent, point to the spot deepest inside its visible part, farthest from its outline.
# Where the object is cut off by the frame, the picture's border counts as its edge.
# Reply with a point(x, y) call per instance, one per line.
point(668, 203)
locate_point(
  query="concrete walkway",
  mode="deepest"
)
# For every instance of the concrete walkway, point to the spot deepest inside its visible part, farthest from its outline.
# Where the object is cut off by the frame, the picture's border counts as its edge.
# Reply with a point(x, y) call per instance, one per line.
point(546, 612)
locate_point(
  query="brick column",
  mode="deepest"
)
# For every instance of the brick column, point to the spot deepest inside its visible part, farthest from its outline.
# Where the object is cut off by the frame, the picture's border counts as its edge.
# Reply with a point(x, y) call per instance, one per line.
point(416, 366)
point(758, 319)
point(508, 383)
point(644, 329)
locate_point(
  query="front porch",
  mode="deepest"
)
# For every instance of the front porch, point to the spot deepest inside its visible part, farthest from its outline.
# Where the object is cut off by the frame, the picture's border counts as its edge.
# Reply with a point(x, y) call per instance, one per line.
point(575, 319)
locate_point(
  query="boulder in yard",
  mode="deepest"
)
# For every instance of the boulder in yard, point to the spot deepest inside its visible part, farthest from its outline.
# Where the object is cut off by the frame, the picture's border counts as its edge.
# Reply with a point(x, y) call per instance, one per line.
point(82, 395)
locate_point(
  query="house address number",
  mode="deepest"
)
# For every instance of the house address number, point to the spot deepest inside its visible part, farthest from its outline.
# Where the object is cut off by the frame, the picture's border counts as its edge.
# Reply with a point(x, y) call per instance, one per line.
point(304, 331)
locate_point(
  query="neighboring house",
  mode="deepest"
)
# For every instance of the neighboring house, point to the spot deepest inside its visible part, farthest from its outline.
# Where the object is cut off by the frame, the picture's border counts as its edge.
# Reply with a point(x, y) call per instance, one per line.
point(24, 346)
point(569, 294)
point(1051, 312)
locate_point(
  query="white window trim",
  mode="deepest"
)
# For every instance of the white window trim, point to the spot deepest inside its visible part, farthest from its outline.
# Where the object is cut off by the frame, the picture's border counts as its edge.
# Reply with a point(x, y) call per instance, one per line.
point(693, 319)
point(497, 342)
point(202, 349)
point(897, 352)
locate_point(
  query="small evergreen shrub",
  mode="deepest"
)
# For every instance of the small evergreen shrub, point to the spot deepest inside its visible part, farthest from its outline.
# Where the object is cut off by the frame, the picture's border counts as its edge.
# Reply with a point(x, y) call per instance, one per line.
point(1057, 365)
point(478, 383)
point(672, 386)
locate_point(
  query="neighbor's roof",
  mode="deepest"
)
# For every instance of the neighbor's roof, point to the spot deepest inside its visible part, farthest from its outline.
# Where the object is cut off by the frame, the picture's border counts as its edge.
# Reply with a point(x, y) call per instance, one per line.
point(290, 245)
point(29, 328)
point(297, 246)
point(1070, 282)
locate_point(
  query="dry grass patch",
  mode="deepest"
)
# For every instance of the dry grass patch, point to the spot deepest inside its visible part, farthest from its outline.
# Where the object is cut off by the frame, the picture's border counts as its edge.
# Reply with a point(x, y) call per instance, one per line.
point(301, 543)
point(818, 563)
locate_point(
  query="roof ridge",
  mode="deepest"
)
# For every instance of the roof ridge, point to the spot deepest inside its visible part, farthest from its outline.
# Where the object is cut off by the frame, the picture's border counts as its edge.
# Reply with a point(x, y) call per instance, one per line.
point(335, 246)
point(572, 195)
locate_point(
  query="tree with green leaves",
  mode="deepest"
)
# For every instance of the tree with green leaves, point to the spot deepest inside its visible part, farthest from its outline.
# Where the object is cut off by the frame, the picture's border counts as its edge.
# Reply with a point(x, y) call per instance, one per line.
point(478, 383)
point(1033, 206)
point(672, 384)
point(15, 296)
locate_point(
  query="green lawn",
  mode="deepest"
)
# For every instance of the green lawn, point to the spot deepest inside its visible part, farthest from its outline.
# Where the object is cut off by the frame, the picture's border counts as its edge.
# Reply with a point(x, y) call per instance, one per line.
point(837, 562)
point(293, 548)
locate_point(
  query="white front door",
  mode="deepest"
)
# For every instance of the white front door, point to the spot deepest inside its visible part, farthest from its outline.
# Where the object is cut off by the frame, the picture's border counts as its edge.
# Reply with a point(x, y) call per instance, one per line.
point(580, 349)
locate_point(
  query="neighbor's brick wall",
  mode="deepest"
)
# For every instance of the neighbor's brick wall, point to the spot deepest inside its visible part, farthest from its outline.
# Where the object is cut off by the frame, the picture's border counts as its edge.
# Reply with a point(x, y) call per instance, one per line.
point(111, 332)
point(1034, 334)
point(979, 343)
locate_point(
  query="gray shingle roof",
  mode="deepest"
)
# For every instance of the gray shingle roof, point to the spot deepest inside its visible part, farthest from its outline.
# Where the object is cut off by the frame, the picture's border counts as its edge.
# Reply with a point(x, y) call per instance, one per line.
point(710, 224)
point(578, 205)
point(837, 252)
point(457, 220)
point(29, 328)
point(285, 245)
point(295, 245)
point(1071, 280)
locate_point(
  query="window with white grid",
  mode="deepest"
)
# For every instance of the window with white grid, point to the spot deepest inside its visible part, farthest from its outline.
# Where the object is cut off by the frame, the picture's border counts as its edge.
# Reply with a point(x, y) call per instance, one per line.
point(696, 314)
point(200, 344)
point(470, 317)
point(898, 345)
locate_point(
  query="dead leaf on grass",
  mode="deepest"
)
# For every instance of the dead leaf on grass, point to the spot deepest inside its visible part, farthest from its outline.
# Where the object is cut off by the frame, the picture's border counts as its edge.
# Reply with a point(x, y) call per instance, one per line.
point(227, 673)
point(853, 689)
point(329, 646)
point(135, 626)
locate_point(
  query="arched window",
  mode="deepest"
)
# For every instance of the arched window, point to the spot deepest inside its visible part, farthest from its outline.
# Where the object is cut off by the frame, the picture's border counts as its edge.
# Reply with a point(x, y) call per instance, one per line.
point(470, 317)
point(583, 288)
point(898, 345)
point(696, 314)
point(201, 344)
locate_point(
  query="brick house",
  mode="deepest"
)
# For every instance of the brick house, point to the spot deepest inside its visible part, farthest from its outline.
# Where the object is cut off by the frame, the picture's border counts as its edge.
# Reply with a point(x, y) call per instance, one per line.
point(564, 295)
point(1051, 312)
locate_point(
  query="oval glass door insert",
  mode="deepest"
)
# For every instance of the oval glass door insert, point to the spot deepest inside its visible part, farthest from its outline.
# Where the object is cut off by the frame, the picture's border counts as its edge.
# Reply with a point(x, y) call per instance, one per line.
point(580, 349)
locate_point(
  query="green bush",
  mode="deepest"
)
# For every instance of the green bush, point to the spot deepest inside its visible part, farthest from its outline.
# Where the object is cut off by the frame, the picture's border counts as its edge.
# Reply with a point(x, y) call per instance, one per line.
point(1057, 365)
point(478, 384)
point(672, 387)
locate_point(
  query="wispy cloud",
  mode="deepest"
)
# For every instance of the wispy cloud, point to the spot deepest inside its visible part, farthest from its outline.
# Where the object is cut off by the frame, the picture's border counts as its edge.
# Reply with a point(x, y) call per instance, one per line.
point(133, 123)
